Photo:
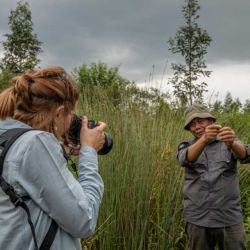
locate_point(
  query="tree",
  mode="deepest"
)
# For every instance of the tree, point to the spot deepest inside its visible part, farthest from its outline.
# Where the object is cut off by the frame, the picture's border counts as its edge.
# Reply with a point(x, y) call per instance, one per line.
point(21, 46)
point(99, 75)
point(119, 90)
point(191, 42)
point(217, 107)
point(231, 105)
point(228, 102)
point(246, 107)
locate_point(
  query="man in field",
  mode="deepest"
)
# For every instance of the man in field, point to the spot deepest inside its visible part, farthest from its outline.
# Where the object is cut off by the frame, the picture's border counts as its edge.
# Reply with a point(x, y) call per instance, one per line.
point(212, 211)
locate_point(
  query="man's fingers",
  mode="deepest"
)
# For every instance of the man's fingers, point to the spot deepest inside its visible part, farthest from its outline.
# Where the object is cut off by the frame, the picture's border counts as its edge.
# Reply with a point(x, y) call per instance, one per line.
point(225, 129)
point(214, 126)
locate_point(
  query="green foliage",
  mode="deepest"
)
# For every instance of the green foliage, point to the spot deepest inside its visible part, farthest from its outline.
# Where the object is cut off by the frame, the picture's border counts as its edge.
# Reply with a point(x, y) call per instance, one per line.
point(231, 105)
point(118, 89)
point(239, 121)
point(229, 115)
point(246, 107)
point(191, 42)
point(142, 203)
point(217, 107)
point(98, 74)
point(21, 46)
point(149, 100)
point(5, 79)
point(245, 197)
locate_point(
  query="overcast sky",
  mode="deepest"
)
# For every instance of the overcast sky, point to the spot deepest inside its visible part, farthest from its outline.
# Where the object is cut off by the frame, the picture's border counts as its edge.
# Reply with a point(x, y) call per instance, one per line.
point(133, 35)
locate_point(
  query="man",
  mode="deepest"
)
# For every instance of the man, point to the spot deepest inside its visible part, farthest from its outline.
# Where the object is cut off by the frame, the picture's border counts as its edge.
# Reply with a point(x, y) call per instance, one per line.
point(212, 211)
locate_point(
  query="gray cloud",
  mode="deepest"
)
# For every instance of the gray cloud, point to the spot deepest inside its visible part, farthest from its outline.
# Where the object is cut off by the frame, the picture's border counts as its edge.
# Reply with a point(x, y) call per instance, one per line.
point(132, 33)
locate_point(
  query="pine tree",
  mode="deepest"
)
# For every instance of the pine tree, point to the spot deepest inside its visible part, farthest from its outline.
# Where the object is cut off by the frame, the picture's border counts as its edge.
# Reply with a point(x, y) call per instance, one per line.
point(246, 107)
point(231, 105)
point(191, 42)
point(21, 46)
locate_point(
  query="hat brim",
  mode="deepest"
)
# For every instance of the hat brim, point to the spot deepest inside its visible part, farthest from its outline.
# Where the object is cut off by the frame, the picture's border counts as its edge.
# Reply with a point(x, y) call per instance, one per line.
point(197, 115)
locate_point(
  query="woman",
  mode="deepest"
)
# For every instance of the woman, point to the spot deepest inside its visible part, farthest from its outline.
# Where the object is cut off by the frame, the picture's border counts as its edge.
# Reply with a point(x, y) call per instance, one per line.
point(45, 100)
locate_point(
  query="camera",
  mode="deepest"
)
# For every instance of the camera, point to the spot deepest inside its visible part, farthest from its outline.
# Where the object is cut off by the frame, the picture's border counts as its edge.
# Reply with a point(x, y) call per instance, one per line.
point(74, 134)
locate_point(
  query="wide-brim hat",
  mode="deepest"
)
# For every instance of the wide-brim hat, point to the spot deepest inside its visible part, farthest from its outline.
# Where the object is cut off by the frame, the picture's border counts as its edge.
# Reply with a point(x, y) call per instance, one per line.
point(196, 111)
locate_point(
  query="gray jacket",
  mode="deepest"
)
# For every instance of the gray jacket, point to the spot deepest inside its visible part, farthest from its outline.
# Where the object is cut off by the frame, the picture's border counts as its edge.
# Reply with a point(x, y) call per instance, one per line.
point(35, 166)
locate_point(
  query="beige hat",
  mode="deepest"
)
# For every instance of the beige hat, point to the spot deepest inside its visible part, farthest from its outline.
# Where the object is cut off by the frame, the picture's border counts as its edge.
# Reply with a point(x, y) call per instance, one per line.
point(196, 111)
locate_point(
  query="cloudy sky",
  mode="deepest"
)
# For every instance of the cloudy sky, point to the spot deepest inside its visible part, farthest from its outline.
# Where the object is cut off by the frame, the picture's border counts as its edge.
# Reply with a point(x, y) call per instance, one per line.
point(133, 35)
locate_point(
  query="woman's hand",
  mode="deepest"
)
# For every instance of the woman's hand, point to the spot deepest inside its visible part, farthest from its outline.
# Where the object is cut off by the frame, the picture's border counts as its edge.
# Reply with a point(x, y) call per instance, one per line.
point(92, 137)
point(71, 149)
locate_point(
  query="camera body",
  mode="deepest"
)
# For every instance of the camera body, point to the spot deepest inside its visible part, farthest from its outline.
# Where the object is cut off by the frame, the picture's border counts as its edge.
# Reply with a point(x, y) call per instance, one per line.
point(74, 134)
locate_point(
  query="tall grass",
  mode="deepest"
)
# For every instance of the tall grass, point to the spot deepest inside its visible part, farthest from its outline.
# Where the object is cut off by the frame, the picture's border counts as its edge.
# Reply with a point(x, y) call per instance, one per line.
point(241, 125)
point(142, 203)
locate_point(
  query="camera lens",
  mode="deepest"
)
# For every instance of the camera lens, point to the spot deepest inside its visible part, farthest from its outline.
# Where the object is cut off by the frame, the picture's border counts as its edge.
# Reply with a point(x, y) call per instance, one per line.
point(107, 146)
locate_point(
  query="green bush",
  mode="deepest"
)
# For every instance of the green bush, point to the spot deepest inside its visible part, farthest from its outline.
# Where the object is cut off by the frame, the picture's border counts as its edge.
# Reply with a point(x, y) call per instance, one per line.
point(5, 79)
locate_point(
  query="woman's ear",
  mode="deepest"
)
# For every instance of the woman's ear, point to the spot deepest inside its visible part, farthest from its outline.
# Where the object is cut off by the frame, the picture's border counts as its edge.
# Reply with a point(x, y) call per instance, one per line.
point(60, 112)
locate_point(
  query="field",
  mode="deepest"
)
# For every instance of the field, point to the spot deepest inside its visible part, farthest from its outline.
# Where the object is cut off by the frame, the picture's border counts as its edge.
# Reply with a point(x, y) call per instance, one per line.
point(142, 203)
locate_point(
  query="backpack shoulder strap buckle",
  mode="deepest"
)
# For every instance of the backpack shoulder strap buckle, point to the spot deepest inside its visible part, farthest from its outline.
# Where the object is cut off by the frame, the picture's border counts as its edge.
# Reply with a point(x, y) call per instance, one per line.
point(9, 190)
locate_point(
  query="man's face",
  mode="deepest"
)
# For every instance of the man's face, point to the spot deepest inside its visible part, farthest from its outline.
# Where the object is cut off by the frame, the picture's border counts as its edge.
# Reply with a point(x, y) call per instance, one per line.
point(197, 126)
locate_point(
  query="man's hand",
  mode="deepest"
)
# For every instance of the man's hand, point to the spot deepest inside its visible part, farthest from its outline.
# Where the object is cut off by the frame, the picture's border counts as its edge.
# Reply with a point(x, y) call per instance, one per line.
point(211, 132)
point(227, 135)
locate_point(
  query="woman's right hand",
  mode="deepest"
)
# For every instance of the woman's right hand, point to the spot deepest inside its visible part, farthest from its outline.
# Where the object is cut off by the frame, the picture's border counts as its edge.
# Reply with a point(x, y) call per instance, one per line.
point(93, 137)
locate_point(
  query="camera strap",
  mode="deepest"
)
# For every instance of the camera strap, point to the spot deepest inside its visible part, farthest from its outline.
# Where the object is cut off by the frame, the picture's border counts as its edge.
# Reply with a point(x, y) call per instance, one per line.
point(6, 140)
point(68, 158)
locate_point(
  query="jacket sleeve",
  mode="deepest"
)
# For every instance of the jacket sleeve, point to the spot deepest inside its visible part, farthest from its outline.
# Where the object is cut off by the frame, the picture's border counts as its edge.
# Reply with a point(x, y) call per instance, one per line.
point(72, 203)
point(182, 154)
point(247, 159)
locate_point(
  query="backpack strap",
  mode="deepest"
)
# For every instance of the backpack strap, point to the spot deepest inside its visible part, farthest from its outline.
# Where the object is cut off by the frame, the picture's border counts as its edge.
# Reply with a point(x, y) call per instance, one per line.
point(6, 140)
point(17, 201)
point(50, 236)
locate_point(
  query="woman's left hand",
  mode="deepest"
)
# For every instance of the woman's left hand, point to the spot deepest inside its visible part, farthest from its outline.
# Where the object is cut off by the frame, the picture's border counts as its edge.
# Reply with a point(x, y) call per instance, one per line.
point(71, 149)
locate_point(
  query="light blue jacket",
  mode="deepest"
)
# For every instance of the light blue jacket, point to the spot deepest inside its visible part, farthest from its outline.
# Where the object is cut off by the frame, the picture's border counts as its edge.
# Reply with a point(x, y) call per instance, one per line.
point(35, 166)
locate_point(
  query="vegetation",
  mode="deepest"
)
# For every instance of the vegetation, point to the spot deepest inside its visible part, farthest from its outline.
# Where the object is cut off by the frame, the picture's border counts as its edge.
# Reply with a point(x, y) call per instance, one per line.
point(191, 42)
point(142, 204)
point(5, 79)
point(21, 46)
point(98, 74)
point(118, 89)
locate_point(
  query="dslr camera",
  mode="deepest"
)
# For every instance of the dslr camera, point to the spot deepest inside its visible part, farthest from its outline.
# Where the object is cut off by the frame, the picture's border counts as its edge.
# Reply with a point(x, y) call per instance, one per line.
point(74, 134)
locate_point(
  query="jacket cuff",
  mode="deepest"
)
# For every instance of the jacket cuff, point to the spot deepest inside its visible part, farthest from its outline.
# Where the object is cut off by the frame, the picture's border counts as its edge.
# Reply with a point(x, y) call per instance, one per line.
point(247, 159)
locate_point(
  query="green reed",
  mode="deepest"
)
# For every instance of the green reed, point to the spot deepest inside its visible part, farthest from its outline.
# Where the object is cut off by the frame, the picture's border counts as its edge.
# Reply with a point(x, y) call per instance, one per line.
point(142, 203)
